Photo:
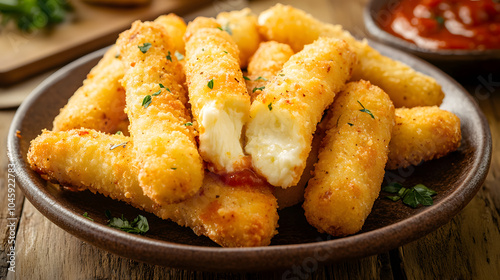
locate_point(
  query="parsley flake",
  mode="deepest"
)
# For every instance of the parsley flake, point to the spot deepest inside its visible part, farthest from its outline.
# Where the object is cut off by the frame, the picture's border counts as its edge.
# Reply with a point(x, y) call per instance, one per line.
point(246, 78)
point(138, 225)
point(210, 84)
point(156, 93)
point(188, 124)
point(145, 47)
point(173, 168)
point(350, 124)
point(146, 101)
point(258, 88)
point(418, 194)
point(270, 106)
point(86, 215)
point(364, 110)
point(225, 52)
point(169, 57)
point(124, 144)
point(119, 132)
point(179, 55)
point(261, 78)
point(117, 55)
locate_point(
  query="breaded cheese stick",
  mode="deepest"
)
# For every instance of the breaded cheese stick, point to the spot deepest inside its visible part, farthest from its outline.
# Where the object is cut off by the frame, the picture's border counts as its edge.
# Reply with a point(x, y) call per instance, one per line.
point(232, 216)
point(170, 167)
point(350, 169)
point(218, 97)
point(199, 23)
point(266, 62)
point(405, 86)
point(422, 133)
point(175, 27)
point(99, 103)
point(284, 116)
point(242, 26)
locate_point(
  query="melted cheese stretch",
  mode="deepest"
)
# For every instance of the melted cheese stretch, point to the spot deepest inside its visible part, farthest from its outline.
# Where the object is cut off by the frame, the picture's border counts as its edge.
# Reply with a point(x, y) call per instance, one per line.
point(283, 117)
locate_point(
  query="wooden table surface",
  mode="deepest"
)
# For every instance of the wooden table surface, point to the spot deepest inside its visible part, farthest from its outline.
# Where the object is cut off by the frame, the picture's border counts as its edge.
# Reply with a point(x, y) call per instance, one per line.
point(467, 247)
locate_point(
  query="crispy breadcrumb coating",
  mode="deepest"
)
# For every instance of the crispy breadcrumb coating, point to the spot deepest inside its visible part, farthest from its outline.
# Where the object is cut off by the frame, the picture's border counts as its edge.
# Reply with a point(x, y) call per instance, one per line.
point(232, 216)
point(170, 167)
point(284, 116)
point(405, 86)
point(422, 133)
point(350, 169)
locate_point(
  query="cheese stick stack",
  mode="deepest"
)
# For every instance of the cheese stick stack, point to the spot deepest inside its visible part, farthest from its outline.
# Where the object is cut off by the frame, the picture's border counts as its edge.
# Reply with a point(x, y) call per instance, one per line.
point(218, 97)
point(284, 116)
point(170, 167)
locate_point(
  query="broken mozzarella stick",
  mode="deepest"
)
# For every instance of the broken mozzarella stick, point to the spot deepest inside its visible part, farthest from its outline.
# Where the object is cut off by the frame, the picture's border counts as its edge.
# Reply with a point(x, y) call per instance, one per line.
point(284, 116)
point(100, 102)
point(232, 216)
point(170, 167)
point(266, 62)
point(218, 97)
point(405, 86)
point(421, 134)
point(350, 169)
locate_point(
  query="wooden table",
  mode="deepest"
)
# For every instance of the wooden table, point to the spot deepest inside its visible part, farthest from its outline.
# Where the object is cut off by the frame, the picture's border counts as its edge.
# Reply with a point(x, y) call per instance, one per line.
point(468, 247)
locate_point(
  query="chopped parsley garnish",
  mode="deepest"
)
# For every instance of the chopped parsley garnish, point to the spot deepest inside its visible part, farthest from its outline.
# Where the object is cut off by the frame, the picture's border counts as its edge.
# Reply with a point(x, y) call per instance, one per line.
point(86, 215)
point(281, 74)
point(258, 88)
point(210, 84)
point(188, 124)
point(350, 124)
point(119, 132)
point(440, 20)
point(156, 93)
point(138, 225)
point(225, 52)
point(261, 78)
point(246, 78)
point(414, 196)
point(145, 47)
point(117, 55)
point(226, 28)
point(364, 110)
point(270, 106)
point(169, 57)
point(179, 55)
point(118, 145)
point(173, 168)
point(146, 101)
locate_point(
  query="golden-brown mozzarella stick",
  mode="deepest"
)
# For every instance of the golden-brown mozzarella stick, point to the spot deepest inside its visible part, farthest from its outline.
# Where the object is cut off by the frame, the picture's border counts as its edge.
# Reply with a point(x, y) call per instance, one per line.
point(350, 169)
point(405, 86)
point(199, 23)
point(175, 28)
point(170, 167)
point(422, 133)
point(242, 26)
point(232, 216)
point(218, 97)
point(284, 116)
point(99, 103)
point(266, 62)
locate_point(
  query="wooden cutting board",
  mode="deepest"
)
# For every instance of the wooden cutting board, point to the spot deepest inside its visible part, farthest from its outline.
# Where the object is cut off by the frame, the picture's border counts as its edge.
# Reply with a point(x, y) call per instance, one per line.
point(88, 28)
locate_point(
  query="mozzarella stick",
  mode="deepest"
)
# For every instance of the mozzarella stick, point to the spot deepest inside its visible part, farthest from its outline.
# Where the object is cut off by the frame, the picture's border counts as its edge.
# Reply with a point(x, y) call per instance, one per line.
point(285, 114)
point(218, 98)
point(266, 62)
point(242, 26)
point(421, 134)
point(405, 86)
point(170, 167)
point(99, 103)
point(199, 23)
point(350, 168)
point(232, 216)
point(175, 28)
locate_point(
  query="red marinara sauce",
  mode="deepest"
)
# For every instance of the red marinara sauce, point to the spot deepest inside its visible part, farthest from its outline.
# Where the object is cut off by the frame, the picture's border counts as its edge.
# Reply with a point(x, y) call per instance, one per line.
point(445, 24)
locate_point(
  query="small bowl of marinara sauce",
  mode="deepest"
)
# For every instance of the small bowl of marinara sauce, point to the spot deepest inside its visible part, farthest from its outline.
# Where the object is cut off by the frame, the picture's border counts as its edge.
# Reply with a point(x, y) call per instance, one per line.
point(452, 34)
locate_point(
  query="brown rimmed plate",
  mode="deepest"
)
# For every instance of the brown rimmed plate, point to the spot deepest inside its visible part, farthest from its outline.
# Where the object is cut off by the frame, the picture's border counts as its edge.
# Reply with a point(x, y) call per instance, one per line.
point(456, 178)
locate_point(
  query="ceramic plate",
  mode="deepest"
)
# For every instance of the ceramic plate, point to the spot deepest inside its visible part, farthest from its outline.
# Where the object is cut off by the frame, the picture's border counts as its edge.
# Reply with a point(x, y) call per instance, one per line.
point(456, 178)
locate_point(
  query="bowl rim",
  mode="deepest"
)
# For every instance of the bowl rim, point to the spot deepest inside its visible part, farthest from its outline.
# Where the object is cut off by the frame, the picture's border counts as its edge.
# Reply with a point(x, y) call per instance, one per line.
point(243, 259)
point(375, 32)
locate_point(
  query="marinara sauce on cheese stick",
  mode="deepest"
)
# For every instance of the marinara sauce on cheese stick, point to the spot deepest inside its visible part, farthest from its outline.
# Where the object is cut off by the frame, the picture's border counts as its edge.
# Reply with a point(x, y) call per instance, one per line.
point(350, 169)
point(284, 116)
point(170, 167)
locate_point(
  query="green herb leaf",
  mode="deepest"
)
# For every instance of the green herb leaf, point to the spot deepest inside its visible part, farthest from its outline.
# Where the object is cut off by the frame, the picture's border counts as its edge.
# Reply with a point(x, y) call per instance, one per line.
point(258, 88)
point(246, 78)
point(145, 47)
point(138, 225)
point(188, 124)
point(173, 168)
point(261, 78)
point(179, 55)
point(281, 74)
point(210, 84)
point(350, 124)
point(147, 101)
point(440, 20)
point(225, 52)
point(413, 197)
point(107, 213)
point(124, 144)
point(270, 106)
point(364, 110)
point(169, 57)
point(424, 190)
point(86, 215)
point(393, 197)
point(119, 132)
point(156, 93)
point(392, 187)
point(117, 55)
